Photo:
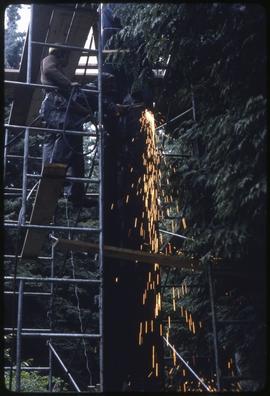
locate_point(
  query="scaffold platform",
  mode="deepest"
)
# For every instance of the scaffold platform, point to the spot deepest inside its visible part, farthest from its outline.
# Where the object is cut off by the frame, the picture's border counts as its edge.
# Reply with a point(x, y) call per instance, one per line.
point(49, 190)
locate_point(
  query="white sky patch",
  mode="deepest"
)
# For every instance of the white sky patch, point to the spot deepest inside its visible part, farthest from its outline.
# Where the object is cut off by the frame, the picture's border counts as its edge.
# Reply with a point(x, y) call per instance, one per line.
point(25, 17)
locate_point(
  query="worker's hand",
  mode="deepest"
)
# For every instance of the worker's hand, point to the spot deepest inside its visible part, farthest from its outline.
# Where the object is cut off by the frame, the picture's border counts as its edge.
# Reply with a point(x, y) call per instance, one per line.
point(122, 109)
point(75, 84)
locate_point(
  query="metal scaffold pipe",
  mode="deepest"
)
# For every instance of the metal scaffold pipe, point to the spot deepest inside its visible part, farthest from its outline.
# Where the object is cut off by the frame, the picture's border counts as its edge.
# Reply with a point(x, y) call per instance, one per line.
point(26, 134)
point(19, 338)
point(69, 47)
point(64, 367)
point(101, 195)
point(214, 326)
point(49, 280)
point(50, 130)
point(187, 365)
point(74, 179)
point(60, 335)
point(42, 86)
point(52, 227)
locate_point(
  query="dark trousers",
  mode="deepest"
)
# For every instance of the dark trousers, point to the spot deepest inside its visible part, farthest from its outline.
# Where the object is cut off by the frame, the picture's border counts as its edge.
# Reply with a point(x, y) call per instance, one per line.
point(67, 149)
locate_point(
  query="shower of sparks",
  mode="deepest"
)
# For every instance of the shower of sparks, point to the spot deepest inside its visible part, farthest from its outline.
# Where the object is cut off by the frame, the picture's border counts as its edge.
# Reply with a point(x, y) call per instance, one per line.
point(147, 188)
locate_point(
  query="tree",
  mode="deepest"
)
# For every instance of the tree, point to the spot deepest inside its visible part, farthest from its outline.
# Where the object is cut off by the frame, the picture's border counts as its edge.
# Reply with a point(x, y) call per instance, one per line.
point(218, 51)
point(14, 40)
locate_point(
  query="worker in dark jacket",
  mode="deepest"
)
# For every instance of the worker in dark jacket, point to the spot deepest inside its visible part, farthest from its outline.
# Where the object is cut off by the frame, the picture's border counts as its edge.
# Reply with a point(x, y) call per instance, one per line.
point(61, 111)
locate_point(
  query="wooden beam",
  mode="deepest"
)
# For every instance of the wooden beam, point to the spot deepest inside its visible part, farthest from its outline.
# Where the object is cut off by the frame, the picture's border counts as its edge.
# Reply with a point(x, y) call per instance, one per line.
point(49, 190)
point(128, 254)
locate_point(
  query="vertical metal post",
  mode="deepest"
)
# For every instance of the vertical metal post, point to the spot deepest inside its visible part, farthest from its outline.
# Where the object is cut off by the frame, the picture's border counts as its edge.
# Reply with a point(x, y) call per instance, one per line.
point(6, 142)
point(19, 337)
point(193, 104)
point(26, 136)
point(195, 142)
point(101, 193)
point(51, 304)
point(214, 326)
point(5, 152)
point(71, 23)
point(29, 51)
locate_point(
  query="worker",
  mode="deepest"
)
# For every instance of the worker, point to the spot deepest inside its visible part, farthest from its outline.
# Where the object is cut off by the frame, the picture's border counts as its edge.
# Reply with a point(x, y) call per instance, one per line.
point(61, 111)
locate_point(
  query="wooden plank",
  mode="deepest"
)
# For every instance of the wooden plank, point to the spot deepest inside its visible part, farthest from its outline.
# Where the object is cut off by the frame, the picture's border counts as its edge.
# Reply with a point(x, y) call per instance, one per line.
point(49, 190)
point(27, 100)
point(128, 254)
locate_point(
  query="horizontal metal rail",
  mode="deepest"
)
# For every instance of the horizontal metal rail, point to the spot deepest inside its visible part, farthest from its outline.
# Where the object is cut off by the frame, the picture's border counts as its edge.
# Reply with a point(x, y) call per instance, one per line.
point(13, 256)
point(67, 47)
point(74, 179)
point(176, 155)
point(21, 157)
point(12, 194)
point(80, 49)
point(52, 227)
point(30, 368)
point(49, 130)
point(42, 86)
point(174, 119)
point(48, 280)
point(15, 189)
point(27, 330)
point(60, 335)
point(92, 194)
point(174, 234)
point(187, 365)
point(29, 293)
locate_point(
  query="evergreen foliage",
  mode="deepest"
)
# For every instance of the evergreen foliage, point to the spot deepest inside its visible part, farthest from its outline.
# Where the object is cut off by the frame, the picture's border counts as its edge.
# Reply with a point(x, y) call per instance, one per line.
point(219, 52)
point(14, 40)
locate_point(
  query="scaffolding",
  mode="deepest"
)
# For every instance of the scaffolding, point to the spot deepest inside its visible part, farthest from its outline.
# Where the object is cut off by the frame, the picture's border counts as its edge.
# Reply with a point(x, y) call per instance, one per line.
point(21, 224)
point(19, 282)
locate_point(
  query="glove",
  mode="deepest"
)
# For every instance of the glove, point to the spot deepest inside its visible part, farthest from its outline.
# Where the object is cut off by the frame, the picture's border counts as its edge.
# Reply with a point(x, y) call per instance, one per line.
point(75, 84)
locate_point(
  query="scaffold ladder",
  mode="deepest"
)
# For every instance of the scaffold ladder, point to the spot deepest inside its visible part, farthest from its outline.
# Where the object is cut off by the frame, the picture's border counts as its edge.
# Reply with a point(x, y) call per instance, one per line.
point(49, 188)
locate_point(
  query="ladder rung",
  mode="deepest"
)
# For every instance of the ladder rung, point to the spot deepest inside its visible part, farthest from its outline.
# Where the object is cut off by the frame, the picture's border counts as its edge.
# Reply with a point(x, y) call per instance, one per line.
point(29, 293)
point(13, 256)
point(22, 368)
point(27, 330)
point(74, 179)
point(52, 227)
point(53, 280)
point(69, 47)
point(113, 51)
point(60, 335)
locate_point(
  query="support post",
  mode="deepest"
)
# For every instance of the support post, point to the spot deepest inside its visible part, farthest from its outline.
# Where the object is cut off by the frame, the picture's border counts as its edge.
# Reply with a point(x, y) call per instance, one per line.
point(19, 337)
point(186, 364)
point(101, 194)
point(26, 135)
point(51, 305)
point(195, 143)
point(214, 326)
point(193, 105)
point(24, 179)
point(64, 367)
point(29, 52)
point(5, 152)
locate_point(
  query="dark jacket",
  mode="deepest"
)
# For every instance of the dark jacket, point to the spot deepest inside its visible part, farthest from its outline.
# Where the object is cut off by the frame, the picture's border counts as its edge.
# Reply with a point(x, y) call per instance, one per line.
point(52, 74)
